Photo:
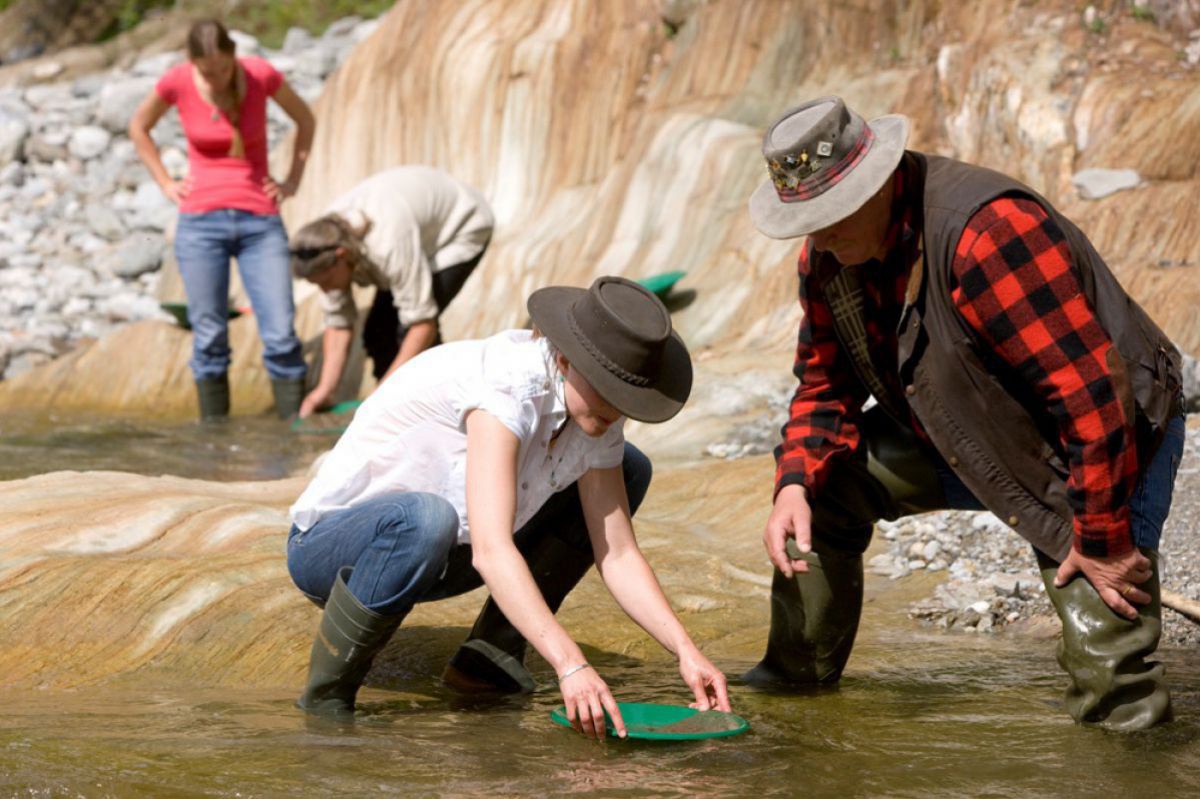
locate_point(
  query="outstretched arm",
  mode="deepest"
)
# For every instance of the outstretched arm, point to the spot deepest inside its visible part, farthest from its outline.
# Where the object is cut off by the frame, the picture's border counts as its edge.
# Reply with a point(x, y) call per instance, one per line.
point(636, 589)
point(491, 510)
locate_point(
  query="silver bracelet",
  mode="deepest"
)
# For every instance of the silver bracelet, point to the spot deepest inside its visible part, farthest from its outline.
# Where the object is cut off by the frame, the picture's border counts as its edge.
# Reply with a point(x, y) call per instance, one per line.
point(572, 670)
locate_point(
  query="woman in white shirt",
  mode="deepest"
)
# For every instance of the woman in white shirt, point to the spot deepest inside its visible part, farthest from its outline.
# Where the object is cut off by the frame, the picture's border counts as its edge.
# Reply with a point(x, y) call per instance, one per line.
point(500, 461)
point(416, 234)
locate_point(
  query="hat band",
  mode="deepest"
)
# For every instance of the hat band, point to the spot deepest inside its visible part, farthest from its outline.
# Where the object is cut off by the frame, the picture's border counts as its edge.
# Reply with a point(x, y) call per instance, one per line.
point(604, 360)
point(792, 188)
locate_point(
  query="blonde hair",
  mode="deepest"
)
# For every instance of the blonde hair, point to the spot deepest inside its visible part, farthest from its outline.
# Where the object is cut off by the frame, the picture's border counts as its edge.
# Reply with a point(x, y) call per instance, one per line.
point(314, 246)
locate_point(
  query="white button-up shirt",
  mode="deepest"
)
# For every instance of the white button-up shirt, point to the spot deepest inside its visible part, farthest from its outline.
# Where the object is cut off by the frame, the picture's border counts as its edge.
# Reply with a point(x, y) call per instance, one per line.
point(410, 435)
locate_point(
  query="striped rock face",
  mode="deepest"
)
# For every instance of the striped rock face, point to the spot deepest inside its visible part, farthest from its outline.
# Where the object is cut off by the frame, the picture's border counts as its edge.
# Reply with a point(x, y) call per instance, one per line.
point(610, 143)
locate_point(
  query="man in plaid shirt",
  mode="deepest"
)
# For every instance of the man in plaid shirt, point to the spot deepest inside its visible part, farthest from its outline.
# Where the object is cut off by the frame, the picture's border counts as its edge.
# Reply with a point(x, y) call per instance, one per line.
point(1010, 372)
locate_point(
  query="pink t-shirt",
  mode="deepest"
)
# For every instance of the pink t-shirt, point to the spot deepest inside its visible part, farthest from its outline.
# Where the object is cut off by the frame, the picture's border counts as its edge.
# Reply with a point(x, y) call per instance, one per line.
point(220, 180)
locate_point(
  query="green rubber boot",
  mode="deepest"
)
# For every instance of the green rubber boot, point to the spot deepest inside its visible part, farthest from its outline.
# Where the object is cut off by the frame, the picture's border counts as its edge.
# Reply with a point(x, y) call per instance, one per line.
point(347, 641)
point(492, 658)
point(289, 394)
point(1112, 684)
point(814, 618)
point(213, 394)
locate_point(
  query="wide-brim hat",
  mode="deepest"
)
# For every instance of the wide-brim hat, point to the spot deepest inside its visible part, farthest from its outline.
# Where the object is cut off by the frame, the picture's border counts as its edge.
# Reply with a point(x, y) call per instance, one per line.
point(619, 336)
point(825, 163)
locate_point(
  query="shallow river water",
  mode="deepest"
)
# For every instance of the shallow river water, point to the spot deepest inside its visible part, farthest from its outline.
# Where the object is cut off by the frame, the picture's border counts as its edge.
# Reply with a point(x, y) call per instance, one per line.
point(919, 713)
point(943, 716)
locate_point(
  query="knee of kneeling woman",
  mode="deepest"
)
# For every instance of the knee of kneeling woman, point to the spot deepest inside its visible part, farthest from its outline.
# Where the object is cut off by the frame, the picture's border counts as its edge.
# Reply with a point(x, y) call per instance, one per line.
point(638, 471)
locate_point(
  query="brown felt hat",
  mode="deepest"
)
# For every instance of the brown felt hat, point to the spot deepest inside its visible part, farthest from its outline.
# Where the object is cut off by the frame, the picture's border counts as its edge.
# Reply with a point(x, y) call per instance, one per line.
point(619, 336)
point(825, 162)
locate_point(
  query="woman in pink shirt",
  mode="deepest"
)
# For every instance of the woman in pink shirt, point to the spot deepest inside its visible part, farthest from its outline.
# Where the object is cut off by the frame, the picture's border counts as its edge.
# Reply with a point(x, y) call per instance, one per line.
point(229, 207)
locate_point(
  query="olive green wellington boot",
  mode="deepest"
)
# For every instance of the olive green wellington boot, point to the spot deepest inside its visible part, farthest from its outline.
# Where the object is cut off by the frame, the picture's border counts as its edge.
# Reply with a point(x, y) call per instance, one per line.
point(814, 618)
point(289, 393)
point(1112, 684)
point(492, 658)
point(213, 394)
point(347, 641)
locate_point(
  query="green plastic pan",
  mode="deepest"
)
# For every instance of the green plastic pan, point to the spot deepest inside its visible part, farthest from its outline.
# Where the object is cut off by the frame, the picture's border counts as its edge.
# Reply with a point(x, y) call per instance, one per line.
point(179, 311)
point(326, 423)
point(668, 722)
point(661, 284)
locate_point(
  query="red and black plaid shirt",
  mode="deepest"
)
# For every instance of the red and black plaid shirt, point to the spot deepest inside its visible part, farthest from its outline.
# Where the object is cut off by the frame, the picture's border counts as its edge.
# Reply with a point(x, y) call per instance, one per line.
point(1014, 285)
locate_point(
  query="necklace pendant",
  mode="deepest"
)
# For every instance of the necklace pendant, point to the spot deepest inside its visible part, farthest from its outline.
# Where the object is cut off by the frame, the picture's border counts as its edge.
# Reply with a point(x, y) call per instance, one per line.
point(215, 115)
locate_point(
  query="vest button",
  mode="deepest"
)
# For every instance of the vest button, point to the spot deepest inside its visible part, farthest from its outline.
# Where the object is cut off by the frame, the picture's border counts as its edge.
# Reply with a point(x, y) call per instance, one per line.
point(910, 390)
point(953, 461)
point(524, 486)
point(1012, 521)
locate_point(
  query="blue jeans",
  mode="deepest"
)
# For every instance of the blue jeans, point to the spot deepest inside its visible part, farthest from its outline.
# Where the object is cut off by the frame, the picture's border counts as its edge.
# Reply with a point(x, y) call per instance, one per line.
point(1148, 507)
point(403, 546)
point(204, 243)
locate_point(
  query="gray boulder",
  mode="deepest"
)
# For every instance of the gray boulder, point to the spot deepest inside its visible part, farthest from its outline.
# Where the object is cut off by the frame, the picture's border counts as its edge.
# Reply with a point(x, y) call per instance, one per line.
point(104, 221)
point(141, 252)
point(118, 100)
point(88, 142)
point(1191, 383)
point(14, 130)
point(1094, 184)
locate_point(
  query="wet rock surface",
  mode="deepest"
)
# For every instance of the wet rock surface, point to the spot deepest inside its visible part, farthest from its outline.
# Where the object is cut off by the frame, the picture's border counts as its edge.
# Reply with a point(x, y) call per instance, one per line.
point(84, 230)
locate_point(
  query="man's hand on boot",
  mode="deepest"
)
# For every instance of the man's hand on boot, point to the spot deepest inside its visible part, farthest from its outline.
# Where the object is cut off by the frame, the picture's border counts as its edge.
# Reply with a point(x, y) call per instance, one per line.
point(1116, 579)
point(791, 517)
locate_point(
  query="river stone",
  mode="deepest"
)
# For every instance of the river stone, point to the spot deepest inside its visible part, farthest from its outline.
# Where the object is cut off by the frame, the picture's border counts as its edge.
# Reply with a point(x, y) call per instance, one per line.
point(14, 130)
point(154, 66)
point(118, 101)
point(1094, 184)
point(246, 44)
point(1191, 383)
point(104, 221)
point(88, 142)
point(295, 40)
point(47, 146)
point(141, 252)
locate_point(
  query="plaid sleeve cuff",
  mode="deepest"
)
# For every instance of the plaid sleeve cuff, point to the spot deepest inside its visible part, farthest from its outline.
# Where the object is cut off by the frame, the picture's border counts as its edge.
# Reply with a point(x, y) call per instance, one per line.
point(1103, 535)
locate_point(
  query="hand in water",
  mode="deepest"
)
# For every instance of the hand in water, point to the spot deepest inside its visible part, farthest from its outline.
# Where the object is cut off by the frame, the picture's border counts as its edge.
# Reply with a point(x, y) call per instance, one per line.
point(706, 681)
point(586, 697)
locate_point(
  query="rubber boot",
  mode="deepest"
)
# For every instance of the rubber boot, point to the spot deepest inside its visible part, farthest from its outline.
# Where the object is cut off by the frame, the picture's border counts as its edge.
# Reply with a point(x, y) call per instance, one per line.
point(213, 394)
point(492, 658)
point(289, 393)
point(814, 618)
point(347, 641)
point(1112, 684)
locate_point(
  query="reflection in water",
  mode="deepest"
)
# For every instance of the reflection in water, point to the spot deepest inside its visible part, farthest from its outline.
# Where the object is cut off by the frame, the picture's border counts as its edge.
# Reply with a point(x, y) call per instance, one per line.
point(962, 718)
point(241, 448)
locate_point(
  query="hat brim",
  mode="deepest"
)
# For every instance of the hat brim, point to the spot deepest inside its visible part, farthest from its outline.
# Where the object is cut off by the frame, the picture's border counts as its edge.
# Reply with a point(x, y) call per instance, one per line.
point(780, 220)
point(658, 401)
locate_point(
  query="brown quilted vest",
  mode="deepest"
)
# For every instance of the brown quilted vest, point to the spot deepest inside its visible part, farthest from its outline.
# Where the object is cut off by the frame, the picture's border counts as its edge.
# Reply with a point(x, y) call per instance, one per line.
point(996, 436)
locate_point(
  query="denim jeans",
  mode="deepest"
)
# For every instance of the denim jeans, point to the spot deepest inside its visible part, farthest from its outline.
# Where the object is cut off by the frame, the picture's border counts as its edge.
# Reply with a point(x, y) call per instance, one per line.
point(403, 546)
point(1148, 507)
point(204, 243)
